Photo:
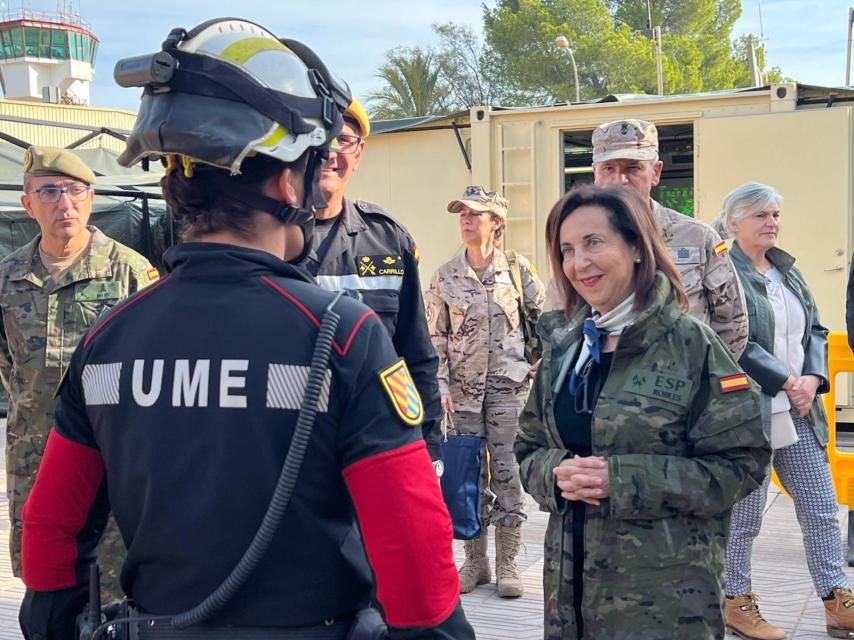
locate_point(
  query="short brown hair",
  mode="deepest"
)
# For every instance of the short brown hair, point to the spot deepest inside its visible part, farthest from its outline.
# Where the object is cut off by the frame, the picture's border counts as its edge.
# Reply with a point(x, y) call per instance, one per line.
point(197, 206)
point(632, 218)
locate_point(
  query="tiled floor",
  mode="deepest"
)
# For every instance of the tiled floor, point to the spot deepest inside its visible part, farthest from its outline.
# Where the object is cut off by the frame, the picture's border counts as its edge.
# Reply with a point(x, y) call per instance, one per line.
point(780, 577)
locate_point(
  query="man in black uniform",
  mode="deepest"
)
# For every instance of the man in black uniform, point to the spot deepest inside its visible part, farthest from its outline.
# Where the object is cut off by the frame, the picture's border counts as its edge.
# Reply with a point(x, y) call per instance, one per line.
point(358, 247)
point(181, 403)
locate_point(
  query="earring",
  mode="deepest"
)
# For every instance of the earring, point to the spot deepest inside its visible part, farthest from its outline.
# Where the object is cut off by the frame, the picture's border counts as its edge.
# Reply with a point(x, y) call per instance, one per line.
point(637, 260)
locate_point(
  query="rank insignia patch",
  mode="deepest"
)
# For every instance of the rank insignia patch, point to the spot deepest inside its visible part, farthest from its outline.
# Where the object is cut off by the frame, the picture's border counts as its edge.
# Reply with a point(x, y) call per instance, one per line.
point(366, 266)
point(735, 382)
point(402, 393)
point(721, 248)
point(381, 265)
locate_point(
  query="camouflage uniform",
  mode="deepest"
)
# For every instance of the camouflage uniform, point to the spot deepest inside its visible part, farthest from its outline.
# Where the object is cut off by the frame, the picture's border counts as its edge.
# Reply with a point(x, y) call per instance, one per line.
point(714, 292)
point(476, 328)
point(654, 550)
point(40, 327)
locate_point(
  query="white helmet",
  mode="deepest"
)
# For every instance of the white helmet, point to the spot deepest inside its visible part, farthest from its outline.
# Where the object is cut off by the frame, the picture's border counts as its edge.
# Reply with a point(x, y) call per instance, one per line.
point(229, 89)
point(234, 89)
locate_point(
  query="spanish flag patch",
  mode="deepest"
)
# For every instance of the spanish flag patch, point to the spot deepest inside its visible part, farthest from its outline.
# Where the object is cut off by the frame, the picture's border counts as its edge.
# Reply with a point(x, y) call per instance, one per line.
point(402, 392)
point(721, 248)
point(153, 274)
point(735, 382)
point(416, 253)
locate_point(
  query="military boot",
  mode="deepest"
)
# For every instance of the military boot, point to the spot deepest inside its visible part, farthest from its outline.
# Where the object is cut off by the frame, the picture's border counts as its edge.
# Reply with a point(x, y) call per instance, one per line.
point(839, 614)
point(744, 620)
point(475, 569)
point(507, 543)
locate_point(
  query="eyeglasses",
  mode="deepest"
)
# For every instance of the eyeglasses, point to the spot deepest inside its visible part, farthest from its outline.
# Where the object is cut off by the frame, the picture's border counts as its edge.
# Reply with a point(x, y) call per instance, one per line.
point(51, 194)
point(346, 144)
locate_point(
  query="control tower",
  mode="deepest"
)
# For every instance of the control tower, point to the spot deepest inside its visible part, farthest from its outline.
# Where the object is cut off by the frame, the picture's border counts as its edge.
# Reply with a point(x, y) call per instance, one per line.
point(46, 57)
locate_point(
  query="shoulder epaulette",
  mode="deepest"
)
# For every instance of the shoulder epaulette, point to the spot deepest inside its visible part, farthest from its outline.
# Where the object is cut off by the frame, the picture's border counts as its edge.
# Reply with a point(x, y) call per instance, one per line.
point(370, 207)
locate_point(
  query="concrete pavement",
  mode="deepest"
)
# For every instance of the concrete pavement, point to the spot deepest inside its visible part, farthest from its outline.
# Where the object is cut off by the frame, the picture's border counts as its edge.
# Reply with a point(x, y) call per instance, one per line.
point(780, 578)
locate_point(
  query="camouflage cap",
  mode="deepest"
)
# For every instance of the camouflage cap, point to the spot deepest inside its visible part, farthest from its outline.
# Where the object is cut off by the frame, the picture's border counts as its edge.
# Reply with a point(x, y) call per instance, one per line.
point(625, 139)
point(52, 161)
point(478, 199)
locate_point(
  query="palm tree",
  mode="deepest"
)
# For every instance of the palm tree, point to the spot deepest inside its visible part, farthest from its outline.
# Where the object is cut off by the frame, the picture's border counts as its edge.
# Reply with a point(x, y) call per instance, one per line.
point(412, 86)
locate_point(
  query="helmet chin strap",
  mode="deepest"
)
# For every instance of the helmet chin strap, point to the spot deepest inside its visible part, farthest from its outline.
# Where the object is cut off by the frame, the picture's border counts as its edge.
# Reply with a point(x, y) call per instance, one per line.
point(302, 216)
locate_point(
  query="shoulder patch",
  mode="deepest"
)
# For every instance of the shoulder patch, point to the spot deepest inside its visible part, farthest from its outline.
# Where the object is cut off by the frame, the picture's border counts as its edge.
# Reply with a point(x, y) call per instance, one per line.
point(416, 253)
point(153, 274)
point(735, 382)
point(685, 255)
point(721, 248)
point(401, 390)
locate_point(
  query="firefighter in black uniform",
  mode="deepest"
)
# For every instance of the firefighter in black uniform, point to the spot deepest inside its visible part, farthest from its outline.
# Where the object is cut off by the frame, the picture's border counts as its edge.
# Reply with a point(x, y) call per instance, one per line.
point(359, 248)
point(179, 406)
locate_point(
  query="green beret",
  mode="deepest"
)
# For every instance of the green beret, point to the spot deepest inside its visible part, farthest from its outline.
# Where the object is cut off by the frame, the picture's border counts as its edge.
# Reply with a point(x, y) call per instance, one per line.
point(52, 161)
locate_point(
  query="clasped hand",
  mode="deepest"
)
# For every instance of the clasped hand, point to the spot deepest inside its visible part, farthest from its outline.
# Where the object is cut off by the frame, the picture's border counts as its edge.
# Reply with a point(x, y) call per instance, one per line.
point(584, 479)
point(801, 392)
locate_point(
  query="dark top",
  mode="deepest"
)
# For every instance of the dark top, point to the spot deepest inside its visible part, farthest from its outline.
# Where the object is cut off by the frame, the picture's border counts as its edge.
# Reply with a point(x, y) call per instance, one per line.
point(183, 401)
point(371, 256)
point(574, 428)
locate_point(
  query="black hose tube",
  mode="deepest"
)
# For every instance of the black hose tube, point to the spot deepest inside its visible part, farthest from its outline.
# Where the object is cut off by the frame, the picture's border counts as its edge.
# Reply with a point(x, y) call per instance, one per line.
point(281, 494)
point(287, 479)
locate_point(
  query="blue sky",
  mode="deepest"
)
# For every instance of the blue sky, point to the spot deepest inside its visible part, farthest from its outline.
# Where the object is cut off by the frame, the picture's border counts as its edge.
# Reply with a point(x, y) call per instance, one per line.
point(806, 38)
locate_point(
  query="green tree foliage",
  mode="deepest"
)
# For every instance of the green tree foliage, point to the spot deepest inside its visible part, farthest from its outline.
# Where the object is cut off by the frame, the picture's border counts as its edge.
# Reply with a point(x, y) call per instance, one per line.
point(610, 58)
point(519, 64)
point(412, 85)
point(613, 48)
point(465, 66)
point(774, 74)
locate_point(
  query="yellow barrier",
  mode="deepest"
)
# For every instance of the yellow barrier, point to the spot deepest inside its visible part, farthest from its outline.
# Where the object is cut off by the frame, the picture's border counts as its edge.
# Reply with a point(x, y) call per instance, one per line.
point(839, 360)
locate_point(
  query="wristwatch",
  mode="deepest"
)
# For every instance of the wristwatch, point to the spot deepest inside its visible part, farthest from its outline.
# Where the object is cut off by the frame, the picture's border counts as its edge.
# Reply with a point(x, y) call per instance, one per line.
point(439, 468)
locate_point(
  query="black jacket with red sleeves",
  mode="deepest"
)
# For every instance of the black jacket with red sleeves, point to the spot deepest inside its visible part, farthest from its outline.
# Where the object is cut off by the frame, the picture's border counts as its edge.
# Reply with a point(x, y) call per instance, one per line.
point(182, 402)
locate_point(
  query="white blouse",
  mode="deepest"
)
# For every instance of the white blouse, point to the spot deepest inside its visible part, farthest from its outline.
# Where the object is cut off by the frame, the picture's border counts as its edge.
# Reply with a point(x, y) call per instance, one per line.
point(789, 327)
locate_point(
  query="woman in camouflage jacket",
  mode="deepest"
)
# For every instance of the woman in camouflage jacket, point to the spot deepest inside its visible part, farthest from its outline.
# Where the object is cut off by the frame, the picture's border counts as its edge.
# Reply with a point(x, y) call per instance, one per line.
point(638, 463)
point(476, 307)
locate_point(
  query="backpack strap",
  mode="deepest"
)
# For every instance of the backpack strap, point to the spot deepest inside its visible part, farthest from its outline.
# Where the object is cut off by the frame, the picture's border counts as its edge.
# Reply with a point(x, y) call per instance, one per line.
point(515, 274)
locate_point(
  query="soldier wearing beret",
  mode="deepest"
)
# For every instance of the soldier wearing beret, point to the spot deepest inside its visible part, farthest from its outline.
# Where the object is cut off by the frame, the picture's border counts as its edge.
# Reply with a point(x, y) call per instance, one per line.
point(51, 291)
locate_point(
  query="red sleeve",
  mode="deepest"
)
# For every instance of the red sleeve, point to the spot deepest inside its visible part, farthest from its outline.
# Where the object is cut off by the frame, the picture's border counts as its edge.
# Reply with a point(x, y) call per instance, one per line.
point(65, 489)
point(407, 534)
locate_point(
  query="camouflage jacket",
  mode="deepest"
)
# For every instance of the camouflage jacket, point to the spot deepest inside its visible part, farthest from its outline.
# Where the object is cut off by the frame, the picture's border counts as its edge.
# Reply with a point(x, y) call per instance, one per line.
point(476, 327)
point(40, 325)
point(680, 452)
point(714, 293)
